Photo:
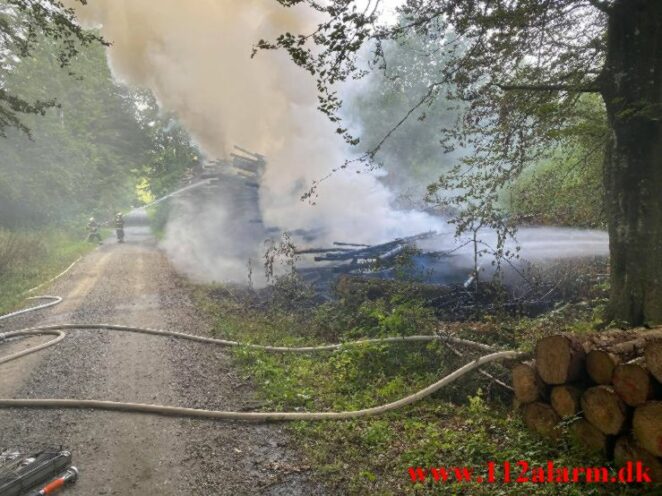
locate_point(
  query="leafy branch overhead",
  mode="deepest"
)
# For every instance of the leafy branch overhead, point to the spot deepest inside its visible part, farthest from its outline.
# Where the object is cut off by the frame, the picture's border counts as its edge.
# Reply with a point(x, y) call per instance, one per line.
point(518, 68)
point(521, 68)
point(22, 24)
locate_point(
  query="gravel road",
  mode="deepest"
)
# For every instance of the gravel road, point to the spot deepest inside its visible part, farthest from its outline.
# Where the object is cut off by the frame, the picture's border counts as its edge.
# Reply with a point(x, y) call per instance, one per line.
point(132, 454)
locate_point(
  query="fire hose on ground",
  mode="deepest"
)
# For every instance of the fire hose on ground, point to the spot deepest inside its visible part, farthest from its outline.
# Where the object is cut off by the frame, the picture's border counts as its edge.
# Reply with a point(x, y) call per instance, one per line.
point(58, 332)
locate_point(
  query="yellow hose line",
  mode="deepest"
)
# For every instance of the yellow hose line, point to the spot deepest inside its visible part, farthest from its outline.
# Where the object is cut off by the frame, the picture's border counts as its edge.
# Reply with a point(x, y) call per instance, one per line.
point(254, 416)
point(58, 331)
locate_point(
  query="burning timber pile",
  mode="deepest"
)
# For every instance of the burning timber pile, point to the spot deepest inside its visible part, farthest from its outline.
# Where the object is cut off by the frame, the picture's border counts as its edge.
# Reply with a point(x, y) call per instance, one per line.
point(447, 279)
point(609, 386)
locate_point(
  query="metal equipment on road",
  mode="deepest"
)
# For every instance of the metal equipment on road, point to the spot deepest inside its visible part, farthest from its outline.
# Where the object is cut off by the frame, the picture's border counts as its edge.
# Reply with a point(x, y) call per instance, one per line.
point(22, 471)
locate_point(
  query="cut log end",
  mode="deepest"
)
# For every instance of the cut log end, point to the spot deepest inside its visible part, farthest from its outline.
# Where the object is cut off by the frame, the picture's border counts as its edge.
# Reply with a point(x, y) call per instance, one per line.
point(647, 426)
point(633, 383)
point(559, 359)
point(628, 450)
point(600, 366)
point(589, 437)
point(542, 419)
point(527, 383)
point(604, 409)
point(653, 355)
point(565, 400)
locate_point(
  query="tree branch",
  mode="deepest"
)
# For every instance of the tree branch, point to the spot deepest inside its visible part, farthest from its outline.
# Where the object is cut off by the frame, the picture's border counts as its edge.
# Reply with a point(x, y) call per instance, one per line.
point(602, 5)
point(550, 87)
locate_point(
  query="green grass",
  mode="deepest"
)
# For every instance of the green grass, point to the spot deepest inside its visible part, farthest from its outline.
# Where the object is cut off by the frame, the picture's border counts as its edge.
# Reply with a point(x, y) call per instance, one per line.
point(466, 424)
point(28, 258)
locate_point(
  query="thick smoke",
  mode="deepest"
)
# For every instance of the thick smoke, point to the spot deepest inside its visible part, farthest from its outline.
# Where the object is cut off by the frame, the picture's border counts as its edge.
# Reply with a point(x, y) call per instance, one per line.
point(195, 56)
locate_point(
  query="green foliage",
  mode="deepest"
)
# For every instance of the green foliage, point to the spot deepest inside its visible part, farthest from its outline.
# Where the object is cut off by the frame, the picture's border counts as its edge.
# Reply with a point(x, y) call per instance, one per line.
point(567, 188)
point(86, 156)
point(28, 258)
point(23, 25)
point(81, 155)
point(171, 154)
point(457, 426)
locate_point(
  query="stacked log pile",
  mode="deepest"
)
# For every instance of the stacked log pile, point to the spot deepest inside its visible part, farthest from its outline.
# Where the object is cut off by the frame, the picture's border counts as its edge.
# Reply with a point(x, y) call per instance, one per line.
point(605, 387)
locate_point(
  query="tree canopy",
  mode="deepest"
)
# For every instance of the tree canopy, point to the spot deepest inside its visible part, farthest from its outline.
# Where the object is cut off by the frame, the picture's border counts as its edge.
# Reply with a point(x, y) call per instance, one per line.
point(23, 24)
point(520, 67)
point(87, 155)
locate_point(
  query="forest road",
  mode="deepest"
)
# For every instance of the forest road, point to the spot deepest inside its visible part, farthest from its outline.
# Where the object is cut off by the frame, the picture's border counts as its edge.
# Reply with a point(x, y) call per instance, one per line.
point(131, 454)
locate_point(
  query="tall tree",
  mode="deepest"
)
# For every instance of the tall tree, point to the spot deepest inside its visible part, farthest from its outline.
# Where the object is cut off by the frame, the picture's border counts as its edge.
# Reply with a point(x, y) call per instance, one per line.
point(520, 66)
point(173, 154)
point(23, 24)
point(83, 155)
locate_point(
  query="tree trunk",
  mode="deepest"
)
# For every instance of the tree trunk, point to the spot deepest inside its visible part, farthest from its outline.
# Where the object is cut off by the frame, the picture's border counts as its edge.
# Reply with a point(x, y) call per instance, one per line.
point(542, 419)
point(653, 356)
point(601, 362)
point(559, 358)
point(632, 91)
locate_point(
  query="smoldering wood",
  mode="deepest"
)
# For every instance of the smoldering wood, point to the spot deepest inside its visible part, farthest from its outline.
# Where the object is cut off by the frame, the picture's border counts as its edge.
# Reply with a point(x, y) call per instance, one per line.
point(375, 251)
point(338, 243)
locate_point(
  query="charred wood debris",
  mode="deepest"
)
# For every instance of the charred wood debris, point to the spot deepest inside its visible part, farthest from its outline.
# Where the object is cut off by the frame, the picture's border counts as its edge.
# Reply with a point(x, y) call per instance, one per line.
point(444, 280)
point(447, 284)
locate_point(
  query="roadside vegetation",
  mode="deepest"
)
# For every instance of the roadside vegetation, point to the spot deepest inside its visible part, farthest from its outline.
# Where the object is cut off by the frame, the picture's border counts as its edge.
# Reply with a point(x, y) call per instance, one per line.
point(28, 258)
point(99, 148)
point(467, 423)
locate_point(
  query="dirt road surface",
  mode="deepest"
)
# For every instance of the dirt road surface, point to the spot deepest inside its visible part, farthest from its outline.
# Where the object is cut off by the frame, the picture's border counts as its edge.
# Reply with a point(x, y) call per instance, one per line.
point(131, 454)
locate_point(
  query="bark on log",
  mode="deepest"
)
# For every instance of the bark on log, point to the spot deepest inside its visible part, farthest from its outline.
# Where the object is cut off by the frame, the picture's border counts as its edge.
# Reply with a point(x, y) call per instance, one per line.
point(628, 450)
point(565, 400)
point(559, 359)
point(590, 438)
point(653, 355)
point(527, 384)
point(633, 383)
point(647, 426)
point(542, 419)
point(604, 409)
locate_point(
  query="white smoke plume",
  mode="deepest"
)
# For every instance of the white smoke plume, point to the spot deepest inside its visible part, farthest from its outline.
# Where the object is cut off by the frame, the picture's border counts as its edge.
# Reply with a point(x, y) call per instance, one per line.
point(195, 57)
